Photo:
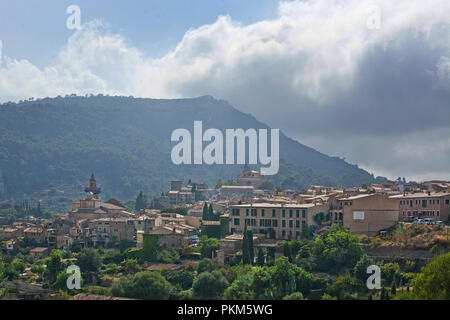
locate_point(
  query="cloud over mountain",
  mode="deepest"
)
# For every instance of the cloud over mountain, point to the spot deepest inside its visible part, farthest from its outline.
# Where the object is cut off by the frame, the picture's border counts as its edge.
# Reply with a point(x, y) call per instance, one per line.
point(378, 96)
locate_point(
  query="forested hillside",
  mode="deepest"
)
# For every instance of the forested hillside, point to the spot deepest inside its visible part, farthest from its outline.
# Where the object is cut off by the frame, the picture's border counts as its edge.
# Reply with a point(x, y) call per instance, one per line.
point(48, 148)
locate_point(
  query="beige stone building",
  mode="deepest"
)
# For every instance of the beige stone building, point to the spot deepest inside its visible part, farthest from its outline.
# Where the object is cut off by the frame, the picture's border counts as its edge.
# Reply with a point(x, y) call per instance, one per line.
point(435, 205)
point(228, 191)
point(40, 252)
point(106, 230)
point(169, 238)
point(369, 213)
point(275, 221)
point(37, 233)
point(250, 178)
point(7, 233)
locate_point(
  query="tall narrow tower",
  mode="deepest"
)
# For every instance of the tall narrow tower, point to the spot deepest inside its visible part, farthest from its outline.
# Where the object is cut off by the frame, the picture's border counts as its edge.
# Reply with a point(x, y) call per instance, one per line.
point(93, 187)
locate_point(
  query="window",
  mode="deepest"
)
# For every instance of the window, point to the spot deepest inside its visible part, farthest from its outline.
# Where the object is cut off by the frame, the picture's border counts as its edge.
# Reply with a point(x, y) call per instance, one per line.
point(262, 212)
point(283, 213)
point(237, 222)
point(247, 212)
point(283, 223)
point(447, 201)
point(291, 224)
point(297, 224)
point(297, 213)
point(235, 212)
point(283, 234)
point(290, 213)
point(358, 215)
point(274, 214)
point(303, 213)
point(275, 223)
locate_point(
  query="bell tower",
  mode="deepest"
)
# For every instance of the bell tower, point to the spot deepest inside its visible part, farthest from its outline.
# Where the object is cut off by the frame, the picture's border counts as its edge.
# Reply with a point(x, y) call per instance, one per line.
point(93, 187)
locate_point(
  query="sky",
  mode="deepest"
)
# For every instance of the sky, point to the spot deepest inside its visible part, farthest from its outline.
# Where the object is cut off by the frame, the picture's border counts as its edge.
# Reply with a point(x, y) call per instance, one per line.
point(368, 81)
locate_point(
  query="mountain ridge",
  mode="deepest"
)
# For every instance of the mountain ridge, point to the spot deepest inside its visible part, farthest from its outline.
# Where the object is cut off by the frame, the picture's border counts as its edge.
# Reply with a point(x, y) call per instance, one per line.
point(53, 142)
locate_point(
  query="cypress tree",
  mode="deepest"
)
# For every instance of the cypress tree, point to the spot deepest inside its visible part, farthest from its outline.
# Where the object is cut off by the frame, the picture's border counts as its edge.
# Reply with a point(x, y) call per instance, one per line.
point(260, 257)
point(393, 288)
point(383, 294)
point(141, 202)
point(251, 250)
point(271, 253)
point(211, 213)
point(194, 191)
point(245, 247)
point(205, 212)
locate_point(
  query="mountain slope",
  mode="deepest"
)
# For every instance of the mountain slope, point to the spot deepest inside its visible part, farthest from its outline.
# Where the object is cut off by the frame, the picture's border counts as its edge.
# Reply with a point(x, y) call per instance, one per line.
point(50, 147)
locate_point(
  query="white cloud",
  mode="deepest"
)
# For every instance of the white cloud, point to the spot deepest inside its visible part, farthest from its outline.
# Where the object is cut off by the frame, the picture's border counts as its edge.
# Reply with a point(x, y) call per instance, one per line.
point(315, 71)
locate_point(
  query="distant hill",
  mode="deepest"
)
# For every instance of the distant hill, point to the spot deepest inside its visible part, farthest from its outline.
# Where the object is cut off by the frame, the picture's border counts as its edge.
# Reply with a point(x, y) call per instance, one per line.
point(49, 147)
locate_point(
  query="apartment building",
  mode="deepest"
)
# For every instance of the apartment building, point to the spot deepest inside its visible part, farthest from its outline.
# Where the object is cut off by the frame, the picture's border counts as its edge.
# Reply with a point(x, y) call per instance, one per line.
point(105, 230)
point(434, 205)
point(275, 220)
point(368, 213)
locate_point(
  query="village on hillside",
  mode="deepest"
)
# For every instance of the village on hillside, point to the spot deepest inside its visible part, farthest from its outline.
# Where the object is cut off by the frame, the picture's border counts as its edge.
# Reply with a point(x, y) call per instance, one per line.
point(192, 229)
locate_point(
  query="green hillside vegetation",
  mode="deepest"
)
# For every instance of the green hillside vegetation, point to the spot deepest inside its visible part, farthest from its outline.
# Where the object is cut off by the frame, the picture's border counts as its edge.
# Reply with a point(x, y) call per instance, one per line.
point(49, 147)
